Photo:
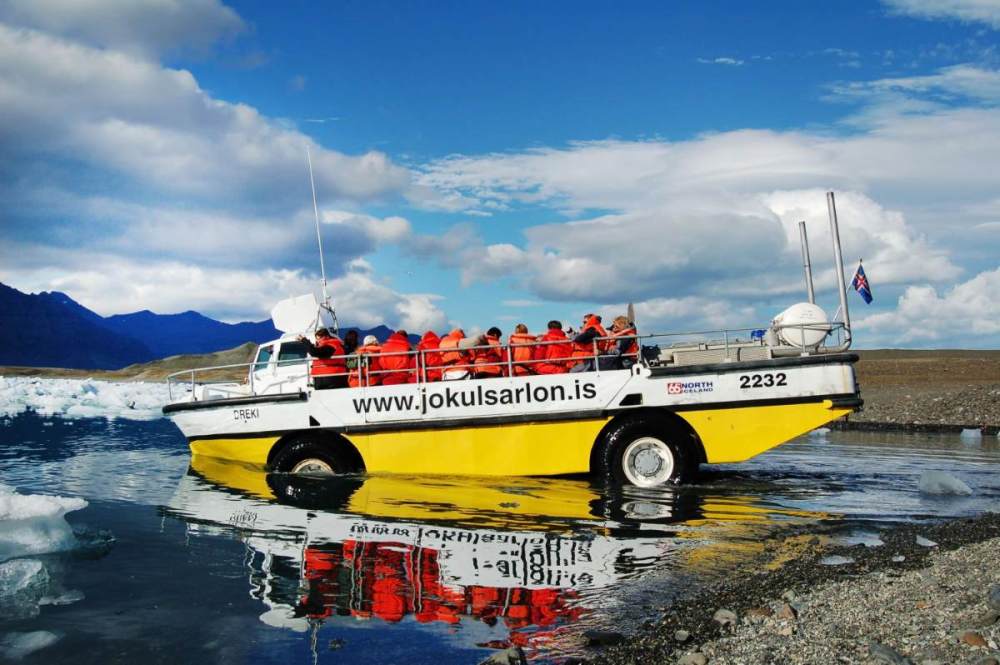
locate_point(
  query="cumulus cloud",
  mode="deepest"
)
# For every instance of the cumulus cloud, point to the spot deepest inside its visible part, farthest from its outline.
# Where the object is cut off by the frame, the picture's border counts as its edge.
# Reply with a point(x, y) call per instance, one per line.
point(111, 284)
point(967, 313)
point(145, 28)
point(155, 125)
point(980, 11)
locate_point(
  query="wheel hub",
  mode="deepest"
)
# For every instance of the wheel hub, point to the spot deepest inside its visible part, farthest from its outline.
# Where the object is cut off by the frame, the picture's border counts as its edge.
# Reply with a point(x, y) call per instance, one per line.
point(312, 466)
point(648, 462)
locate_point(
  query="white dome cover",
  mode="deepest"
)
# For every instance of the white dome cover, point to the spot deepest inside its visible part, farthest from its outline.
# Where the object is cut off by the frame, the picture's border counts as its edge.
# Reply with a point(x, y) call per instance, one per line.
point(803, 325)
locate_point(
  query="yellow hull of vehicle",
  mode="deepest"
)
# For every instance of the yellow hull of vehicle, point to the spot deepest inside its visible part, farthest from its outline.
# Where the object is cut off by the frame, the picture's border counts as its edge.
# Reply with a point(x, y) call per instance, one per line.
point(728, 434)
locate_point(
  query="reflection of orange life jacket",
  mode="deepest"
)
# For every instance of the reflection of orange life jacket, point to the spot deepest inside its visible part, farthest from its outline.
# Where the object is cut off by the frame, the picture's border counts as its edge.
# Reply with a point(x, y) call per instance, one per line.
point(633, 344)
point(483, 358)
point(327, 366)
point(521, 352)
point(429, 344)
point(450, 354)
point(587, 350)
point(553, 354)
point(358, 375)
point(397, 365)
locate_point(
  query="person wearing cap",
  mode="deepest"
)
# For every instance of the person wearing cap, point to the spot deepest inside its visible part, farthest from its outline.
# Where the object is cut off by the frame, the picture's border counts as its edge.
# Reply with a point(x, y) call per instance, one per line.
point(329, 370)
point(366, 370)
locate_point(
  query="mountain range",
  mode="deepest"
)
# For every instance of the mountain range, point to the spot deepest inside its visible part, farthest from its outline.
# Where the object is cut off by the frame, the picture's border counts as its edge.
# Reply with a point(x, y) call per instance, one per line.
point(50, 329)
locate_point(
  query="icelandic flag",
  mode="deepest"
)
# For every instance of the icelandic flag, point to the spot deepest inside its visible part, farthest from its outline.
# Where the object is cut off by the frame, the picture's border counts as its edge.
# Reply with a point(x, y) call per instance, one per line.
point(860, 284)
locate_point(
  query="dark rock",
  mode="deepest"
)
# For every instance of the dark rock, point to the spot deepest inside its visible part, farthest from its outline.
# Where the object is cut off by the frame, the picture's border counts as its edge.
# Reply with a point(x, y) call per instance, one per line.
point(993, 597)
point(889, 655)
point(511, 656)
point(603, 638)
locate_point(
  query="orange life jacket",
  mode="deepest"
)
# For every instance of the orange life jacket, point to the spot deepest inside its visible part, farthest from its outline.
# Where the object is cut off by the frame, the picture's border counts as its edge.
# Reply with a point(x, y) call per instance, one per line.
point(521, 352)
point(633, 344)
point(483, 359)
point(587, 350)
point(398, 367)
point(357, 376)
point(450, 353)
point(429, 344)
point(553, 355)
point(328, 366)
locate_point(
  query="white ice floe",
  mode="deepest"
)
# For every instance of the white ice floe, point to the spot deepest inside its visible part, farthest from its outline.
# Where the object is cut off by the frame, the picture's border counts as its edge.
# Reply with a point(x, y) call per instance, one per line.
point(820, 432)
point(15, 646)
point(836, 560)
point(81, 398)
point(925, 542)
point(35, 524)
point(942, 484)
point(23, 584)
point(971, 433)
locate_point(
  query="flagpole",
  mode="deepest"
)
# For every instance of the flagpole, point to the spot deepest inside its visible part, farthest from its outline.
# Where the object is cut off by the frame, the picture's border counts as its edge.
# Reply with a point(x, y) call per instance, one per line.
point(831, 206)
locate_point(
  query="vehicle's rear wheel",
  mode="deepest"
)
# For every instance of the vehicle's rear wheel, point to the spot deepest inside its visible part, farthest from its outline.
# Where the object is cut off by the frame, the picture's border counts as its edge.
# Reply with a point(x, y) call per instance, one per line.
point(307, 457)
point(644, 451)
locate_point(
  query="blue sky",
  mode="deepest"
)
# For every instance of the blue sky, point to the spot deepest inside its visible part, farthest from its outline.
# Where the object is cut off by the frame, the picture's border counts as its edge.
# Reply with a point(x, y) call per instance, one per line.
point(483, 164)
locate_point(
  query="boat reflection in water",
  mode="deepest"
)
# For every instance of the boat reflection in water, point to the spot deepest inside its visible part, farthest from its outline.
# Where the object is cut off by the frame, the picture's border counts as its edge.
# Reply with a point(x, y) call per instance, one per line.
point(533, 562)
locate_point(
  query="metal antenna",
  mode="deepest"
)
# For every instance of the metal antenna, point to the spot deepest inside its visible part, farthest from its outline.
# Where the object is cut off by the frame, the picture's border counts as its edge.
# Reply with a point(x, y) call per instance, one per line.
point(319, 241)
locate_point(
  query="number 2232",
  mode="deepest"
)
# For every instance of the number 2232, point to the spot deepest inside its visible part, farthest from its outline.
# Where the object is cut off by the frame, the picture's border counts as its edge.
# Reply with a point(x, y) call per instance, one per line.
point(763, 380)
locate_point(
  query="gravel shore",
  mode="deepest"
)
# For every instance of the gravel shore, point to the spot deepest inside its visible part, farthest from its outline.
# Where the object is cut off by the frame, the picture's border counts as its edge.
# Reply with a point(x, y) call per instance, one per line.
point(928, 391)
point(921, 597)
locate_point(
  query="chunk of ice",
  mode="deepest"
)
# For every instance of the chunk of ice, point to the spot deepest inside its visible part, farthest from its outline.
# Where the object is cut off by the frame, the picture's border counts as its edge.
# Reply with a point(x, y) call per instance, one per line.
point(820, 432)
point(836, 560)
point(23, 583)
point(924, 542)
point(34, 524)
point(943, 484)
point(971, 433)
point(82, 398)
point(15, 646)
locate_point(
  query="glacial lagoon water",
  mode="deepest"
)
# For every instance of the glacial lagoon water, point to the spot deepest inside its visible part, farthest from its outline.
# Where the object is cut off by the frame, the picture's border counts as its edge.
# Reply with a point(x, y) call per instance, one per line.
point(210, 562)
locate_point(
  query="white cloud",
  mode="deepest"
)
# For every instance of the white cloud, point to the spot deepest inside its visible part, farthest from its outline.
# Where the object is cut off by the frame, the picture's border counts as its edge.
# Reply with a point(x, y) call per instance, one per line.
point(112, 285)
point(981, 11)
point(144, 28)
point(968, 313)
point(947, 84)
point(732, 62)
point(112, 111)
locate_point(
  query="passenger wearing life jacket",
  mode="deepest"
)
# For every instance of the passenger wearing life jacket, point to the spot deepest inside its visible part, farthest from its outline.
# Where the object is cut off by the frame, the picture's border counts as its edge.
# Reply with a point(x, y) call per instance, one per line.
point(554, 356)
point(624, 333)
point(366, 370)
point(455, 360)
point(430, 344)
point(489, 360)
point(522, 350)
point(395, 361)
point(329, 369)
point(587, 342)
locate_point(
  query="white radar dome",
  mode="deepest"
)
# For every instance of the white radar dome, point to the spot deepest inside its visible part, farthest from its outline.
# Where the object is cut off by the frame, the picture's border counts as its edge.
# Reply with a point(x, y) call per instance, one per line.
point(803, 325)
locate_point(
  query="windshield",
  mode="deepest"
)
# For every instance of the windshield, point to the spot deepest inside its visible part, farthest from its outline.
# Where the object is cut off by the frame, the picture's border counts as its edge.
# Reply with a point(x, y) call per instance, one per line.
point(263, 357)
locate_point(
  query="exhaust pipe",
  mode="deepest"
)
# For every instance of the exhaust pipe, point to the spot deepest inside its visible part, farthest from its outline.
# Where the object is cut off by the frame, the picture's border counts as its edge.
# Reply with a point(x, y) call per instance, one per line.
point(806, 264)
point(831, 206)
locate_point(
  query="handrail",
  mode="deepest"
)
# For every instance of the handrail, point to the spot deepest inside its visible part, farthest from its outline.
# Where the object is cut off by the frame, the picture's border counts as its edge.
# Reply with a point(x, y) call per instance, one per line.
point(364, 369)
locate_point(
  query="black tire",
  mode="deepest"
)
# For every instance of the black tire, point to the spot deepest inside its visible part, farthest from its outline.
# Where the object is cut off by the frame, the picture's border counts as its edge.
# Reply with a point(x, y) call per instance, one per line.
point(308, 456)
point(655, 442)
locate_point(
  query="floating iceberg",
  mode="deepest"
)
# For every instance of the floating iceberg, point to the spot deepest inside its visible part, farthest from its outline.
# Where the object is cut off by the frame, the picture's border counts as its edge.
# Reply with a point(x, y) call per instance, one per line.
point(942, 484)
point(15, 646)
point(23, 584)
point(81, 398)
point(35, 524)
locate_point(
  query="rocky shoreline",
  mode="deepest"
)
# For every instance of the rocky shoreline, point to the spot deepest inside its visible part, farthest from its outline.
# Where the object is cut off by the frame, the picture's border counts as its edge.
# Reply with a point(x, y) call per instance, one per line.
point(921, 597)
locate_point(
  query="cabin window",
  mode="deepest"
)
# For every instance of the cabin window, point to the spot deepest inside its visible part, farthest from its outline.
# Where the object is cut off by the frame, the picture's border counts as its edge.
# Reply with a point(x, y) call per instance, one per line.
point(291, 353)
point(263, 357)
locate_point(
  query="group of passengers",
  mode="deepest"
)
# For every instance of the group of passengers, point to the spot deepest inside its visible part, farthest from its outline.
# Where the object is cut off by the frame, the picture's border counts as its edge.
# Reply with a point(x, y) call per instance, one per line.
point(346, 363)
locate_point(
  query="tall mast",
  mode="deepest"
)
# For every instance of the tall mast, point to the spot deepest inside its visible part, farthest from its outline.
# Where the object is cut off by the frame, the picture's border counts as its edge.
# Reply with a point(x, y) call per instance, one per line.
point(319, 241)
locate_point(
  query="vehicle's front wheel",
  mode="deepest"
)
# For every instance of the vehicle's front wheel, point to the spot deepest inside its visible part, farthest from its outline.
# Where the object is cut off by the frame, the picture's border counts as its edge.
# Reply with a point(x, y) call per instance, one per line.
point(307, 457)
point(645, 452)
